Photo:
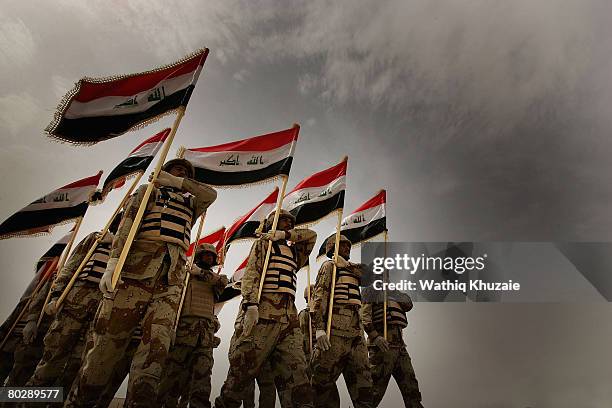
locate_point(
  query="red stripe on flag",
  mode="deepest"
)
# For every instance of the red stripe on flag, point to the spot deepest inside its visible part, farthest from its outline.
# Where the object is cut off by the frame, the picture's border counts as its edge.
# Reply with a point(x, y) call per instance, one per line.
point(212, 238)
point(136, 83)
point(378, 199)
point(322, 178)
point(161, 136)
point(89, 181)
point(269, 141)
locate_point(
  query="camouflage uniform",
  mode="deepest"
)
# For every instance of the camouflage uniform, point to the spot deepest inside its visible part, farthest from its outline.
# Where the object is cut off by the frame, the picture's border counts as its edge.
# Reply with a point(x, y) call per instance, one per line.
point(26, 356)
point(396, 361)
point(267, 390)
point(276, 337)
point(189, 365)
point(152, 275)
point(348, 354)
point(6, 355)
point(305, 327)
point(65, 339)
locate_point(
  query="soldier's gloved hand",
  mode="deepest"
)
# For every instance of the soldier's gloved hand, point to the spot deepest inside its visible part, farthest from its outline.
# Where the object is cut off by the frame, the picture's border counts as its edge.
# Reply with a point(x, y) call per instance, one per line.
point(322, 340)
point(273, 236)
point(251, 316)
point(166, 179)
point(29, 332)
point(216, 341)
point(381, 343)
point(51, 308)
point(106, 285)
point(195, 270)
point(341, 262)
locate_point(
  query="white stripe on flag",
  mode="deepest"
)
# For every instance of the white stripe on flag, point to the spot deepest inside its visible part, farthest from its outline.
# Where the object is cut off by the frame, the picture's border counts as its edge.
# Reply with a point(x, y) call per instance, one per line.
point(228, 161)
point(61, 198)
point(313, 194)
point(363, 218)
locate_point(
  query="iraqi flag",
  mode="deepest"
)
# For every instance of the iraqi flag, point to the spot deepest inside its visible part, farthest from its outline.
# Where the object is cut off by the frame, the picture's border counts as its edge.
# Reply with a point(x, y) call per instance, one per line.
point(317, 196)
point(55, 251)
point(246, 226)
point(246, 161)
point(365, 223)
point(98, 109)
point(215, 238)
point(58, 207)
point(136, 162)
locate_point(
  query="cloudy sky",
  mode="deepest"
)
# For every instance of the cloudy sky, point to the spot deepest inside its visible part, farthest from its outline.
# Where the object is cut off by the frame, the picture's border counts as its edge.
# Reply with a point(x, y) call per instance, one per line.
point(484, 120)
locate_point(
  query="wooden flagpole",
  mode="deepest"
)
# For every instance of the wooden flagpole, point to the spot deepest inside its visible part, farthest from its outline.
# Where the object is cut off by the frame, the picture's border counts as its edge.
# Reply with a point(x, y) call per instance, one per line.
point(97, 242)
point(60, 265)
point(385, 278)
point(333, 284)
point(39, 285)
point(279, 202)
point(145, 199)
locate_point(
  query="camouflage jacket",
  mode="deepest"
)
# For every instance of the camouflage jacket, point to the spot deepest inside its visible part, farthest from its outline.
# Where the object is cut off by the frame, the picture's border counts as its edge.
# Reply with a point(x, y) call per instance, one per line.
point(37, 305)
point(345, 318)
point(305, 327)
point(274, 306)
point(145, 257)
point(375, 299)
point(72, 264)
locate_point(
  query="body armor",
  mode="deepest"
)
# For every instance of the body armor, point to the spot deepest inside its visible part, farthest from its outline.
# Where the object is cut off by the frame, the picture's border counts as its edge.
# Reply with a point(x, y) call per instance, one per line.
point(169, 219)
point(95, 267)
point(282, 268)
point(199, 298)
point(347, 288)
point(395, 314)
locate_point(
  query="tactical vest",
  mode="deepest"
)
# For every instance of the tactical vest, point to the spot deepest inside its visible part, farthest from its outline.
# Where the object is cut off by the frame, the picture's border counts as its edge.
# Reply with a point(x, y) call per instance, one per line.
point(95, 267)
point(280, 276)
point(169, 219)
point(347, 288)
point(199, 299)
point(395, 314)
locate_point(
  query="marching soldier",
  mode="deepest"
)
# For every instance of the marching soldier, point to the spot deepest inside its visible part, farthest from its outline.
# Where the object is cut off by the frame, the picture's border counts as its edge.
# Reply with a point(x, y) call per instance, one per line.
point(67, 333)
point(6, 354)
point(29, 349)
point(345, 352)
point(268, 329)
point(190, 361)
point(150, 291)
point(389, 357)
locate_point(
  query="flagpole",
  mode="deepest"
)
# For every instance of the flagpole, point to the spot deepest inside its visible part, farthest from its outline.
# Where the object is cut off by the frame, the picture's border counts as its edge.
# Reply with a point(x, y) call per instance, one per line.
point(60, 265)
point(385, 277)
point(39, 285)
point(97, 242)
point(279, 202)
point(308, 306)
point(145, 199)
point(333, 284)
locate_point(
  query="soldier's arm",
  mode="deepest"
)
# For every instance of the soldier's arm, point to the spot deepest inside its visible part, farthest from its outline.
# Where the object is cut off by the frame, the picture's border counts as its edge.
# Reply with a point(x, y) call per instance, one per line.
point(304, 240)
point(320, 296)
point(72, 264)
point(204, 195)
point(129, 214)
point(366, 319)
point(219, 283)
point(404, 300)
point(38, 302)
point(249, 285)
point(356, 269)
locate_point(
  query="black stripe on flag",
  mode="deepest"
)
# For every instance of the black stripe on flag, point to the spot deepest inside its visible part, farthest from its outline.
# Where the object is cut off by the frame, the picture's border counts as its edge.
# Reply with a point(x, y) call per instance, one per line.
point(357, 235)
point(97, 128)
point(128, 166)
point(228, 178)
point(312, 212)
point(26, 220)
point(246, 230)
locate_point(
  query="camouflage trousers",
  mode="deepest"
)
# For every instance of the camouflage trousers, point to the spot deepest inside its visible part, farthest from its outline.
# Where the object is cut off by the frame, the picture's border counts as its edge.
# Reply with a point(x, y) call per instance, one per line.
point(395, 362)
point(151, 302)
point(189, 364)
point(267, 390)
point(25, 359)
point(7, 355)
point(65, 340)
point(279, 343)
point(349, 357)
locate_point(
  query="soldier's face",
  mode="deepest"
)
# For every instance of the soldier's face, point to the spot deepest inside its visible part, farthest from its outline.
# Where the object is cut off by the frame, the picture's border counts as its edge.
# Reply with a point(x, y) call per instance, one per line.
point(207, 259)
point(179, 171)
point(284, 224)
point(344, 250)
